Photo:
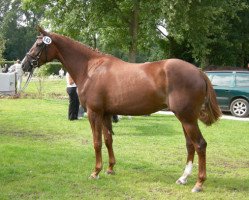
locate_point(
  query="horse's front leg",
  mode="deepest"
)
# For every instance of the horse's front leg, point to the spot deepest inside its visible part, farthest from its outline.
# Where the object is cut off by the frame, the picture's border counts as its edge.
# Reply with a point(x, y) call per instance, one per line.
point(95, 120)
point(107, 132)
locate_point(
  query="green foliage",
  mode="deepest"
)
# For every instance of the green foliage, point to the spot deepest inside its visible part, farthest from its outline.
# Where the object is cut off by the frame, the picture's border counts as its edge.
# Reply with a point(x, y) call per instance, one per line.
point(103, 24)
point(51, 68)
point(2, 46)
point(210, 29)
point(206, 32)
point(18, 29)
point(7, 62)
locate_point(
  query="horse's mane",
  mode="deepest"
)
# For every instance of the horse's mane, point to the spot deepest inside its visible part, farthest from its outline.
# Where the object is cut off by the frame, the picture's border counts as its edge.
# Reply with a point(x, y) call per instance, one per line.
point(77, 44)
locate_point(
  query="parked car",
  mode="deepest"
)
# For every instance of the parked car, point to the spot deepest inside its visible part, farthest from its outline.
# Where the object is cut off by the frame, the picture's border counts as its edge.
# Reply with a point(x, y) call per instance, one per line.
point(232, 90)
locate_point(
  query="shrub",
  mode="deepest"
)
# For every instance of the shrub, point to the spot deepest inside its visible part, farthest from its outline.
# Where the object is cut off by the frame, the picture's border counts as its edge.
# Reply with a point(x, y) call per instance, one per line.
point(50, 68)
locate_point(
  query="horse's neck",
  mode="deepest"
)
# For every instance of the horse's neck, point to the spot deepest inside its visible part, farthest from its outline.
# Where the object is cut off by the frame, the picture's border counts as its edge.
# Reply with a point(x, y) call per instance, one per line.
point(74, 57)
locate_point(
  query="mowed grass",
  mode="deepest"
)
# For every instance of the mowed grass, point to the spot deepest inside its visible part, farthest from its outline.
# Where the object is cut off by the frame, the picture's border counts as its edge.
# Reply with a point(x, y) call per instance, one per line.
point(45, 156)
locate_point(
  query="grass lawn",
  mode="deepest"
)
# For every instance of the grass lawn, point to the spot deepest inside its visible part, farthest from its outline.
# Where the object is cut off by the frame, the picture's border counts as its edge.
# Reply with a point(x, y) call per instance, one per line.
point(45, 156)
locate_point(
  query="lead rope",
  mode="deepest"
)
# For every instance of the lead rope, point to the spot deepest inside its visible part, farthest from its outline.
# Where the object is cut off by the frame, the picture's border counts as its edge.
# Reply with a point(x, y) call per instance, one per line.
point(27, 82)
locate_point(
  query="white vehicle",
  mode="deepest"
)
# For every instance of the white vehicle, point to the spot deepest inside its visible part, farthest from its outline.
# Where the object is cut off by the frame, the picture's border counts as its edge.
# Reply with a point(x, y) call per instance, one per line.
point(8, 83)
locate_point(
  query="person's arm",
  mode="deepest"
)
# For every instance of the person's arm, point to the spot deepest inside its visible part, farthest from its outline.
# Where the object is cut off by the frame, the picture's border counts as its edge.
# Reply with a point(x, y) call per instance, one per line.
point(11, 68)
point(70, 80)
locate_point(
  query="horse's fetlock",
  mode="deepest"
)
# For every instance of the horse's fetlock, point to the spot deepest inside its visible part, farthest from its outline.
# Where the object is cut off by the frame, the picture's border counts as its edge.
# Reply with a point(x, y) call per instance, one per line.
point(112, 163)
point(98, 169)
point(202, 178)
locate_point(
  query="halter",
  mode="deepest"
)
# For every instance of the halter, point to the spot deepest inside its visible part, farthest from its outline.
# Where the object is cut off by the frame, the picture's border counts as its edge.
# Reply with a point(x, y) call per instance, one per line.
point(27, 81)
point(34, 61)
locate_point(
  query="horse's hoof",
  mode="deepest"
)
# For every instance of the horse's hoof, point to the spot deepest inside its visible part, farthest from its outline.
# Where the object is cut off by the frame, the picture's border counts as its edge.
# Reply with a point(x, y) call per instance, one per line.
point(110, 172)
point(181, 181)
point(196, 189)
point(94, 176)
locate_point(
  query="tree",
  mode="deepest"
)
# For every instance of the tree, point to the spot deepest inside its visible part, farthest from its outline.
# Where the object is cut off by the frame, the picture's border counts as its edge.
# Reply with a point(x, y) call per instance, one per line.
point(121, 25)
point(3, 6)
point(18, 29)
point(206, 26)
point(234, 48)
point(2, 46)
point(205, 32)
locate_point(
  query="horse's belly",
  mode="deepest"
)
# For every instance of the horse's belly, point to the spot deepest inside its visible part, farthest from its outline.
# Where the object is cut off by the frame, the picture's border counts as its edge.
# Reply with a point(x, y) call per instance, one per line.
point(137, 103)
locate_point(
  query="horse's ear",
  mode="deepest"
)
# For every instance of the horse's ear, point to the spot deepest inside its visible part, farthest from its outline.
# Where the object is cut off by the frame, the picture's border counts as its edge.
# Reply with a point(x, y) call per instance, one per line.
point(42, 31)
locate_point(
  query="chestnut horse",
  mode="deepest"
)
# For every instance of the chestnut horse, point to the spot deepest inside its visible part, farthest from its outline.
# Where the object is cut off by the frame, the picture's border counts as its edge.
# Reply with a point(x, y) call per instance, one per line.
point(108, 86)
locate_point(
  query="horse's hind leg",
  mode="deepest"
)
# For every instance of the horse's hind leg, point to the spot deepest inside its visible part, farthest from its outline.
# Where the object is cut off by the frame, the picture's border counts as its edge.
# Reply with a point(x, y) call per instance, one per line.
point(107, 132)
point(193, 132)
point(191, 153)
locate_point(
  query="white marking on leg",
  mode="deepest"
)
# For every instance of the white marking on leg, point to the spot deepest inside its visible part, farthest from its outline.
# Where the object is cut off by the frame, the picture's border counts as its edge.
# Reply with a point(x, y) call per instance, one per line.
point(188, 170)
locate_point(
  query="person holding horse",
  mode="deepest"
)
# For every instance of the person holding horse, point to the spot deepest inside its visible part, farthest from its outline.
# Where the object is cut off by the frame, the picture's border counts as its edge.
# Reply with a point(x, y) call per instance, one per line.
point(73, 108)
point(17, 68)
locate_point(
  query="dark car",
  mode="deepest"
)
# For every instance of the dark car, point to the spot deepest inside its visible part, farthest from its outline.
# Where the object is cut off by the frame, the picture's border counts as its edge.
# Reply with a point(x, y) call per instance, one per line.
point(232, 90)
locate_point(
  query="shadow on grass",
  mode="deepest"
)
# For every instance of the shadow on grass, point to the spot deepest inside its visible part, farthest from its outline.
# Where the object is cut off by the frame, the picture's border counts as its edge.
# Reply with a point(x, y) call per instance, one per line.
point(26, 133)
point(149, 126)
point(38, 136)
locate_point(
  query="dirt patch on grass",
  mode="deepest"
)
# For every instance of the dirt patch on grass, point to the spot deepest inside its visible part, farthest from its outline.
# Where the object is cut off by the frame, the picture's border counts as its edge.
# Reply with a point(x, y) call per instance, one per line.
point(27, 134)
point(45, 137)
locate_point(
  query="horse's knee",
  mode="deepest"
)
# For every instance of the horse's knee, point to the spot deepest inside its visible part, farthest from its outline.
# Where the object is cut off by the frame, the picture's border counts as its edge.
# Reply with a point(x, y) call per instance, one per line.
point(97, 145)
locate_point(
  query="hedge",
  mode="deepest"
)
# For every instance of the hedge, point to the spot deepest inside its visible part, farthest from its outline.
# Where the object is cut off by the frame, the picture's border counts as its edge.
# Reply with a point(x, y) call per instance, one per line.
point(50, 68)
point(2, 62)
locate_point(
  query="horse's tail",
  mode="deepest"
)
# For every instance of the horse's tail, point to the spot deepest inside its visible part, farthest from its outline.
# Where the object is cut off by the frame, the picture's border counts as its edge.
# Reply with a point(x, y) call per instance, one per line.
point(210, 111)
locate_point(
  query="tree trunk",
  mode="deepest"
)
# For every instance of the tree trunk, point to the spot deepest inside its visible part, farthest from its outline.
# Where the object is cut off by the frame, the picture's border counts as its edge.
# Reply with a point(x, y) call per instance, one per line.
point(134, 31)
point(94, 41)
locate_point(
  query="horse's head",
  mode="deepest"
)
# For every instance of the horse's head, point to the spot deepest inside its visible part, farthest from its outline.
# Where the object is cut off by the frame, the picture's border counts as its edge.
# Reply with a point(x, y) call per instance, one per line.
point(42, 51)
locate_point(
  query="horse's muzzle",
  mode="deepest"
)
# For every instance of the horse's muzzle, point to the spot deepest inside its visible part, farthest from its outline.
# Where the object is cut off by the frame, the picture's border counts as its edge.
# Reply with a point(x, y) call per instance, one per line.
point(26, 65)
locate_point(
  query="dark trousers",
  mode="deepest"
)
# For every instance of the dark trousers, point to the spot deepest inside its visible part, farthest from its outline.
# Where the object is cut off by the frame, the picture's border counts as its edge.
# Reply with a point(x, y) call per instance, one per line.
point(73, 108)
